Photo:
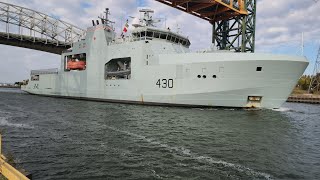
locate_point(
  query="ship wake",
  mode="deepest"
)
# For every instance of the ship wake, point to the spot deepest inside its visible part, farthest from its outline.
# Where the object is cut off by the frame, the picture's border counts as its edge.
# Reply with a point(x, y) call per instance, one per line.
point(186, 152)
point(4, 122)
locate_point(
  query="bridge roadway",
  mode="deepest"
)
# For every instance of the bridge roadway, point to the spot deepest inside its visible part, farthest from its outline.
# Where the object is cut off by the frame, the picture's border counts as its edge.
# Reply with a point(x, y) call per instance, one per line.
point(35, 43)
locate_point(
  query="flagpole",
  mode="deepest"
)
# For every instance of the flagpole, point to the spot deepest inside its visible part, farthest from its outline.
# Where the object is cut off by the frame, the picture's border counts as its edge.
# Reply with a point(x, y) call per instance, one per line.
point(121, 26)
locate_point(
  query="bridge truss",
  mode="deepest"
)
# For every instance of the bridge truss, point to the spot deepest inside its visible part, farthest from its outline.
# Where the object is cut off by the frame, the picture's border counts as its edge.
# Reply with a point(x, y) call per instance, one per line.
point(237, 33)
point(27, 28)
point(233, 21)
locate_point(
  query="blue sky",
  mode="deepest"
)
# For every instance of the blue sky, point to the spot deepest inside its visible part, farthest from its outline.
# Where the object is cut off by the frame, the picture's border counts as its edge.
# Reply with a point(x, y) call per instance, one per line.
point(279, 28)
point(141, 3)
point(310, 50)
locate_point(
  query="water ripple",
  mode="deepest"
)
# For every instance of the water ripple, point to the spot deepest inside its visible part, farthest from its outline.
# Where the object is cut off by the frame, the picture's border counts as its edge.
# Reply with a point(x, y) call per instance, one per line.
point(187, 152)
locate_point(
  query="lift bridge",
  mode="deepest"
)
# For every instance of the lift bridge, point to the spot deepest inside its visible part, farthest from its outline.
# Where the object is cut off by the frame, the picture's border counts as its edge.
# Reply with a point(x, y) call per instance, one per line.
point(233, 24)
point(27, 28)
point(233, 21)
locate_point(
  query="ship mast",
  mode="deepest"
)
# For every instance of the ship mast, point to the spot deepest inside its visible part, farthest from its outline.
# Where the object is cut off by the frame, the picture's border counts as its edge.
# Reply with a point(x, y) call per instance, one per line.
point(105, 20)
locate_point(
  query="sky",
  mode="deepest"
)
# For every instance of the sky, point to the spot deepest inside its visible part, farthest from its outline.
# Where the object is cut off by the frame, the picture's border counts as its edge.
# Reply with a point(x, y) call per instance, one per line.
point(279, 29)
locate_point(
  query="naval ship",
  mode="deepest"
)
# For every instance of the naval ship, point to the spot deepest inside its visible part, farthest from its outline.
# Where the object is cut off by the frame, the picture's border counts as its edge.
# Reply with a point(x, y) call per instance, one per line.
point(155, 66)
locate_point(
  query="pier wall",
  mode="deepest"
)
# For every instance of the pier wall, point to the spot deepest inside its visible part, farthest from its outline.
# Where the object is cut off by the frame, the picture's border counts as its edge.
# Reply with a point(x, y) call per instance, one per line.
point(311, 99)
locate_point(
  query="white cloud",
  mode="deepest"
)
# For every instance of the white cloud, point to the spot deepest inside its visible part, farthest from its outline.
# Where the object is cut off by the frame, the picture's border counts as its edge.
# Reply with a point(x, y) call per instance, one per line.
point(278, 22)
point(281, 21)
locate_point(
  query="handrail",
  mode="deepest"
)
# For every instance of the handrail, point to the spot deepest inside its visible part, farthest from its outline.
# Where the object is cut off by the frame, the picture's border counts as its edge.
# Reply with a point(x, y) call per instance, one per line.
point(45, 71)
point(7, 170)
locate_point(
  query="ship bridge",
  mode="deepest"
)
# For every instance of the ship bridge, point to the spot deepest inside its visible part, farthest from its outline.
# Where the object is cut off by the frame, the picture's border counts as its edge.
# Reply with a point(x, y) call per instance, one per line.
point(233, 21)
point(150, 33)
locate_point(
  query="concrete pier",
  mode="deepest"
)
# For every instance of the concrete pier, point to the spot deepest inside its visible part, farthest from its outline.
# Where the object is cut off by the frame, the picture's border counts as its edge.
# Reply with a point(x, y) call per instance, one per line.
point(305, 98)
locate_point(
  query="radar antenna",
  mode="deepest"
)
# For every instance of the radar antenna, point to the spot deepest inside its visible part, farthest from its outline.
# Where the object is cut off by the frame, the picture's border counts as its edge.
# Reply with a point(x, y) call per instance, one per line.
point(105, 20)
point(147, 18)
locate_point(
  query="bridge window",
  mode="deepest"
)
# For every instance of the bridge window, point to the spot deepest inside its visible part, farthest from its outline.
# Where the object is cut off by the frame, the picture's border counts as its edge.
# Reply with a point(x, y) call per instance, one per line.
point(163, 36)
point(150, 34)
point(174, 39)
point(157, 35)
point(35, 77)
point(169, 36)
point(76, 62)
point(143, 34)
point(118, 69)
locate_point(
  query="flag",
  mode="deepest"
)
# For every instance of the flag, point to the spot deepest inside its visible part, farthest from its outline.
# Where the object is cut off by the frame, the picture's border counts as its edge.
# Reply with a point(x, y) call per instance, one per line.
point(126, 26)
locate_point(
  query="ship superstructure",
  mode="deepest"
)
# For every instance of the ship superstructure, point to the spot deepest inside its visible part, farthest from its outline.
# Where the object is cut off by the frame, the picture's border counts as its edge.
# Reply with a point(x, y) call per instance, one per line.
point(155, 66)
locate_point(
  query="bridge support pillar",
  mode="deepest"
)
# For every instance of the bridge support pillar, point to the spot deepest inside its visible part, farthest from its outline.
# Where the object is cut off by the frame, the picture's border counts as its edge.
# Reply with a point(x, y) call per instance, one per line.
point(237, 33)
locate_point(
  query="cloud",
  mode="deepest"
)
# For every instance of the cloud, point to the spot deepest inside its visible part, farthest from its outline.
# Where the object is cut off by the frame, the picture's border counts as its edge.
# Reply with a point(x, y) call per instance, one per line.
point(279, 23)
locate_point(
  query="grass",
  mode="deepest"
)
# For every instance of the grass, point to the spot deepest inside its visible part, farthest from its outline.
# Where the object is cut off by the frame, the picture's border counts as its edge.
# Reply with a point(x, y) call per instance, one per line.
point(2, 177)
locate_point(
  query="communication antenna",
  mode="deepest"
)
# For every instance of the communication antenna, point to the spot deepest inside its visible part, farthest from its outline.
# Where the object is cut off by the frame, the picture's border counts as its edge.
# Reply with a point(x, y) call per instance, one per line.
point(178, 28)
point(315, 81)
point(105, 20)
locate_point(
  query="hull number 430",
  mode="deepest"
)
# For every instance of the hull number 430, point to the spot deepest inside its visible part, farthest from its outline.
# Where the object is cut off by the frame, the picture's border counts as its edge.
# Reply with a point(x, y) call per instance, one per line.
point(165, 83)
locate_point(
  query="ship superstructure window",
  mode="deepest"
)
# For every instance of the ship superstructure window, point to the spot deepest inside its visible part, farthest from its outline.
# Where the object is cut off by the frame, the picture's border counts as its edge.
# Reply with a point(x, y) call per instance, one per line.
point(77, 62)
point(117, 69)
point(259, 69)
point(150, 34)
point(35, 77)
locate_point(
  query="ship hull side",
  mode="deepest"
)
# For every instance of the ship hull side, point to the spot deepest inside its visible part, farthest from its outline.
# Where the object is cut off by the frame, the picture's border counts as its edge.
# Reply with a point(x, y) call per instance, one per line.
point(227, 83)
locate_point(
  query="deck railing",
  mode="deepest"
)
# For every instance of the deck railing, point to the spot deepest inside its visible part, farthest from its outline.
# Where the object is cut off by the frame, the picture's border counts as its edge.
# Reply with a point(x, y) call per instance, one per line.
point(7, 170)
point(45, 71)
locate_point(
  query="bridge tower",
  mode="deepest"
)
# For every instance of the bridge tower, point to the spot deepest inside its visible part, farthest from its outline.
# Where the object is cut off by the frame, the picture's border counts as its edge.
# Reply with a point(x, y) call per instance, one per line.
point(236, 33)
point(315, 81)
point(233, 21)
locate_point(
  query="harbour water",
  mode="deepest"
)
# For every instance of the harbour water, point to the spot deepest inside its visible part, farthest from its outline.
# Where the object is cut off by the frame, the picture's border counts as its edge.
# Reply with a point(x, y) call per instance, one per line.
point(71, 139)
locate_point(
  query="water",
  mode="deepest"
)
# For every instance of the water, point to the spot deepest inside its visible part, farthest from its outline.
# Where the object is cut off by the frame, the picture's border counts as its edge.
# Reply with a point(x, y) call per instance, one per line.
point(70, 139)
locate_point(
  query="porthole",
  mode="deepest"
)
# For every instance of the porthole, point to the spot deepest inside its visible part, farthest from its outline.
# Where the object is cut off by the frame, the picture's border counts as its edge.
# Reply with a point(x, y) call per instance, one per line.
point(199, 76)
point(214, 76)
point(204, 76)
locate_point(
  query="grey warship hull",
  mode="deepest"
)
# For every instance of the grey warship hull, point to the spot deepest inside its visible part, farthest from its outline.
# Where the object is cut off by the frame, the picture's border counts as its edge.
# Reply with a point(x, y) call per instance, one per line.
point(156, 67)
